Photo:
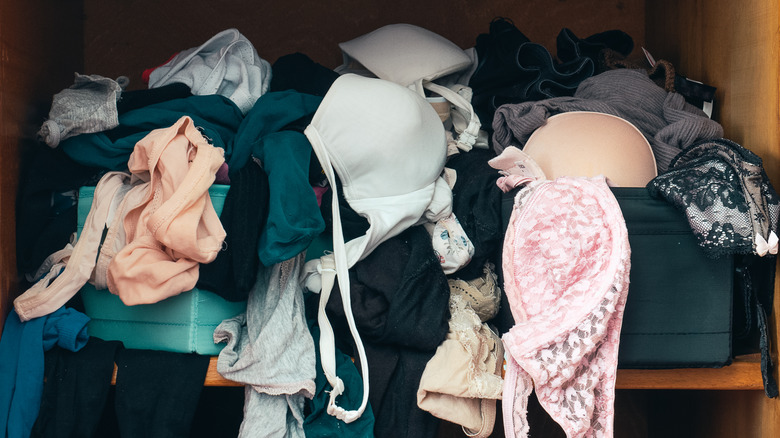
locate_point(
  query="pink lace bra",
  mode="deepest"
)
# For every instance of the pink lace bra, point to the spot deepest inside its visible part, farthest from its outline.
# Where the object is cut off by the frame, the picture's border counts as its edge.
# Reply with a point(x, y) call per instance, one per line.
point(566, 260)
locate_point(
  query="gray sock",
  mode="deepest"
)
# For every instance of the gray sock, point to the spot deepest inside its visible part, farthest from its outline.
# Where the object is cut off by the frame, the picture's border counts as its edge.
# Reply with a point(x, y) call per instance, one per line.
point(89, 105)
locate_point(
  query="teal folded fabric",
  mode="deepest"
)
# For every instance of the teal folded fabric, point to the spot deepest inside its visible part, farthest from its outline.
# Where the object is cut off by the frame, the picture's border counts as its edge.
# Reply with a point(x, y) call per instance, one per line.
point(216, 116)
point(294, 218)
point(271, 133)
point(273, 112)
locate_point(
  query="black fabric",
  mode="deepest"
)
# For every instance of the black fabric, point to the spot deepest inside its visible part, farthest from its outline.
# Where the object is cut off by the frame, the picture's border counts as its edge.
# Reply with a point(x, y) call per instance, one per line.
point(504, 321)
point(571, 48)
point(233, 273)
point(75, 390)
point(753, 301)
point(476, 202)
point(399, 293)
point(157, 392)
point(353, 225)
point(220, 412)
point(131, 100)
point(298, 72)
point(44, 226)
point(400, 301)
point(695, 92)
point(394, 378)
point(512, 69)
point(497, 56)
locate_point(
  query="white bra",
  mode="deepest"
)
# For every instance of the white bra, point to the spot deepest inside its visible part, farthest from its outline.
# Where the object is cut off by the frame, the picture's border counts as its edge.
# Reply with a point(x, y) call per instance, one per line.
point(388, 148)
point(414, 57)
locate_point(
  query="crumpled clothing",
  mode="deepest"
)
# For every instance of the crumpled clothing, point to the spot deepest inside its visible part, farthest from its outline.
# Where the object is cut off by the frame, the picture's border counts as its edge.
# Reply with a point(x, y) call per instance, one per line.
point(216, 117)
point(476, 202)
point(70, 268)
point(512, 69)
point(175, 227)
point(227, 64)
point(450, 243)
point(516, 168)
point(482, 294)
point(22, 363)
point(318, 423)
point(566, 262)
point(89, 105)
point(726, 195)
point(270, 350)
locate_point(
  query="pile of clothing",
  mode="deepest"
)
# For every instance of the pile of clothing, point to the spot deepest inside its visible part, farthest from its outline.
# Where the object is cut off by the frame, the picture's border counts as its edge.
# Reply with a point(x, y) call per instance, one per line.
point(398, 160)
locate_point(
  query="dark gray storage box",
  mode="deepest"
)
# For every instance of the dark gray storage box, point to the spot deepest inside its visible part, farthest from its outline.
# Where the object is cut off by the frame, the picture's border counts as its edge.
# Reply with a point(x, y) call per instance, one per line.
point(679, 308)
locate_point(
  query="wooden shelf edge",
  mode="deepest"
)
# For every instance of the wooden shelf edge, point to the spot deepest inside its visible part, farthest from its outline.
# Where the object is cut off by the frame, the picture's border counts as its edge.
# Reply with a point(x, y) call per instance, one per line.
point(743, 374)
point(213, 378)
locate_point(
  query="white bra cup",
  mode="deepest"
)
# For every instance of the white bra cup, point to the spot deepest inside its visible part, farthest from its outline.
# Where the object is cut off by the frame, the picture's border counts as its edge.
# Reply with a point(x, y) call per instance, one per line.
point(582, 143)
point(405, 54)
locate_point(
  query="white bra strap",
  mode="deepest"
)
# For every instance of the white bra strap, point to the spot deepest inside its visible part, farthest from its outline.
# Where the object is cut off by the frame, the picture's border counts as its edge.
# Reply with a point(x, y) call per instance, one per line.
point(327, 346)
point(469, 135)
point(335, 266)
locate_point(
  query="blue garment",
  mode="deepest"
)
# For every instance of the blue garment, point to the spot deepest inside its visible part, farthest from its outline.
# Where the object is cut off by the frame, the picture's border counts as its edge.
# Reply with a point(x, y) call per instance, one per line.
point(294, 218)
point(216, 116)
point(271, 113)
point(21, 363)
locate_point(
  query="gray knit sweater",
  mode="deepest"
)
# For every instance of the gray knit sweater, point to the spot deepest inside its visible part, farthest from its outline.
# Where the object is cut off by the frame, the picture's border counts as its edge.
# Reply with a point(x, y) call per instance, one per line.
point(668, 122)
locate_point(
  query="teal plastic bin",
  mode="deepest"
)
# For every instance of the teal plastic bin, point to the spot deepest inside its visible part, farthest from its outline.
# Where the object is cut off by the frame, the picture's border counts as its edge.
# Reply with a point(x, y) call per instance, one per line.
point(184, 323)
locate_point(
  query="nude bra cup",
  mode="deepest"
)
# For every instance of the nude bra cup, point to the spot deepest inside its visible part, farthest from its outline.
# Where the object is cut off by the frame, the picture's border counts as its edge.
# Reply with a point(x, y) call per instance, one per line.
point(588, 144)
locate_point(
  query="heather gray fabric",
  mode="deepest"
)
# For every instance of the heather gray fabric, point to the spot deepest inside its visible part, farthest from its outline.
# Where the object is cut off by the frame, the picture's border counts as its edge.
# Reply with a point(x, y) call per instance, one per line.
point(270, 349)
point(227, 64)
point(272, 415)
point(89, 105)
point(668, 122)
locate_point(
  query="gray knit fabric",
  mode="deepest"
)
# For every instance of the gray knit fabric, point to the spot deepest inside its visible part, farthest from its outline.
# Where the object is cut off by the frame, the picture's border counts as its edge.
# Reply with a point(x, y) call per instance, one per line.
point(272, 415)
point(87, 106)
point(270, 349)
point(668, 122)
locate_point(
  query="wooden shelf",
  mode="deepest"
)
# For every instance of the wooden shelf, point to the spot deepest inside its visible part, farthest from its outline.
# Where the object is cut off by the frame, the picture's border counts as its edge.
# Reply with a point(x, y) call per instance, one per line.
point(743, 374)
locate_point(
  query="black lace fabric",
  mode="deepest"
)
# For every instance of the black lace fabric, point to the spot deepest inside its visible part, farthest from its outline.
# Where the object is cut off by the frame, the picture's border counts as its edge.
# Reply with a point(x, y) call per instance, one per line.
point(725, 194)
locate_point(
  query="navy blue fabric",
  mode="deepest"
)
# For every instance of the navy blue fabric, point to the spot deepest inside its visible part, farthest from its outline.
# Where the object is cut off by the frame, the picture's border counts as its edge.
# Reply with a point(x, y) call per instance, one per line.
point(22, 363)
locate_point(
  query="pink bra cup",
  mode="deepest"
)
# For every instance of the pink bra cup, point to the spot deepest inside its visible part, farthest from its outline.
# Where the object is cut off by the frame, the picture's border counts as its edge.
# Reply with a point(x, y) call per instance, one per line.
point(566, 265)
